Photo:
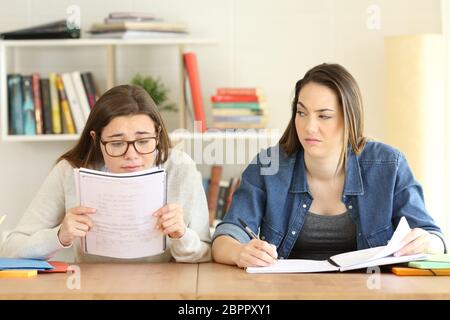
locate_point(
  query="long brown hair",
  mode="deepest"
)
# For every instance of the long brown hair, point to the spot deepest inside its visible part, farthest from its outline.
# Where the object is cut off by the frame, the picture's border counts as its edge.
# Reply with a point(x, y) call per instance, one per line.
point(123, 100)
point(338, 79)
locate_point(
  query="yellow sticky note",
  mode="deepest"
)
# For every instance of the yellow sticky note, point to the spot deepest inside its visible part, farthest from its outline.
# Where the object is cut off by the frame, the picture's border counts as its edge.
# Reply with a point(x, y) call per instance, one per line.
point(18, 273)
point(2, 218)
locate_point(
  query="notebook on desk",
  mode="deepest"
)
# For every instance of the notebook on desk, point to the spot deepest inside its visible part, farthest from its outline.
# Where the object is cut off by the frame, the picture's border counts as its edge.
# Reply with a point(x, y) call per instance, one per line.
point(406, 271)
point(11, 264)
point(350, 260)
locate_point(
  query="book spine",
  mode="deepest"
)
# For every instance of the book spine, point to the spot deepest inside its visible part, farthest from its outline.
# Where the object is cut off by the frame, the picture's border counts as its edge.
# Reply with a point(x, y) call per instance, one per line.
point(237, 91)
point(67, 116)
point(15, 99)
point(81, 95)
point(221, 200)
point(89, 87)
point(234, 98)
point(237, 105)
point(37, 103)
point(236, 112)
point(74, 104)
point(190, 62)
point(213, 192)
point(29, 122)
point(56, 109)
point(46, 106)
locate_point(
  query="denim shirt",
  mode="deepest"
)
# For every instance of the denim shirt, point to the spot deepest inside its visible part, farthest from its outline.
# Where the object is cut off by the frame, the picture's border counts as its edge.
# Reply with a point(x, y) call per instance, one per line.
point(379, 189)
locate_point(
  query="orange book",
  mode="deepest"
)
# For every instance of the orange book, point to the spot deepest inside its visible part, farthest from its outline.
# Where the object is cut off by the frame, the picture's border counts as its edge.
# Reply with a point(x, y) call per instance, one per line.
point(238, 91)
point(190, 63)
point(405, 271)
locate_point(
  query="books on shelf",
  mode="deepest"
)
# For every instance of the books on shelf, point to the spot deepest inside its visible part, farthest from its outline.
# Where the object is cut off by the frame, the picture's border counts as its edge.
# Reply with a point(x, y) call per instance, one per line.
point(239, 108)
point(67, 122)
point(191, 67)
point(213, 192)
point(377, 256)
point(124, 225)
point(46, 106)
point(15, 104)
point(37, 100)
point(29, 122)
point(54, 105)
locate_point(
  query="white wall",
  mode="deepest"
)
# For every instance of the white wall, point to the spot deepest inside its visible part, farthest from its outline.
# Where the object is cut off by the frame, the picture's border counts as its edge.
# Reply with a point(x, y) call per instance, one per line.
point(263, 43)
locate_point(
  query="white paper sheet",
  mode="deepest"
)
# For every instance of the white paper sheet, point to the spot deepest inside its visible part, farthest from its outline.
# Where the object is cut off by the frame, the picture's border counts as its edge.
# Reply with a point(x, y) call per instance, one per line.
point(295, 266)
point(123, 222)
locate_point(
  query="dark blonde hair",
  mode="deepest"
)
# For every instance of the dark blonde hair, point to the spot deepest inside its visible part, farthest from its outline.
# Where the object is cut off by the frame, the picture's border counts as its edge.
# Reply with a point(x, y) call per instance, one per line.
point(123, 100)
point(342, 83)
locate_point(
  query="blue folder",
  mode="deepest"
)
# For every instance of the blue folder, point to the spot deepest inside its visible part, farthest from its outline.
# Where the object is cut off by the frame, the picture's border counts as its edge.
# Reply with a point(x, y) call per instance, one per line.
point(10, 263)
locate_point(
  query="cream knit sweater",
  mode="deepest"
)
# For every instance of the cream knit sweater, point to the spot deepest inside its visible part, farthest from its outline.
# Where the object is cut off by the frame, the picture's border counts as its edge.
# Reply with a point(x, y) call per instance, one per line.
point(36, 237)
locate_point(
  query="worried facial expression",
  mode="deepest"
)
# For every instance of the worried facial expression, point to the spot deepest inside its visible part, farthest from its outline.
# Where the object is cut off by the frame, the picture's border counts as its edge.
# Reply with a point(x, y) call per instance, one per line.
point(128, 143)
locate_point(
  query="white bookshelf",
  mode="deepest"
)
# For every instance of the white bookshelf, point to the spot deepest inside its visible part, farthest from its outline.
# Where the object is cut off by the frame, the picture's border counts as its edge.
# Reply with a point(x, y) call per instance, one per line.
point(7, 47)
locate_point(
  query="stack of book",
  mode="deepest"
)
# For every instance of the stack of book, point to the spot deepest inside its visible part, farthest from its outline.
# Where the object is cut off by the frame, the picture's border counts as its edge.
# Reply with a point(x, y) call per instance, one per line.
point(130, 25)
point(58, 104)
point(27, 268)
point(238, 108)
point(433, 265)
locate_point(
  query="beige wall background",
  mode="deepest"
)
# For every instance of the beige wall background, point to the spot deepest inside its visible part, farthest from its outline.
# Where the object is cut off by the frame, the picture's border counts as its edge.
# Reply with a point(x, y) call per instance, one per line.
point(269, 44)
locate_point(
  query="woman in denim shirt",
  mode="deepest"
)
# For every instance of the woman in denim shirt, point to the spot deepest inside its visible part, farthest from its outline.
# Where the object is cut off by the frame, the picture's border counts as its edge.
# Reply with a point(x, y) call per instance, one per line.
point(324, 189)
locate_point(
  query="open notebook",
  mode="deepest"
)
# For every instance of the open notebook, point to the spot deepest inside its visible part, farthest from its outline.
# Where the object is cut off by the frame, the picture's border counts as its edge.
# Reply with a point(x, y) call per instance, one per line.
point(350, 260)
point(123, 223)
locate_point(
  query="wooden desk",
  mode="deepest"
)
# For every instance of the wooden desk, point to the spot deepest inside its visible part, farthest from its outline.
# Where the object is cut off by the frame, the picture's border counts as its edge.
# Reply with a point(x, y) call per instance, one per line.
point(215, 281)
point(109, 281)
point(226, 282)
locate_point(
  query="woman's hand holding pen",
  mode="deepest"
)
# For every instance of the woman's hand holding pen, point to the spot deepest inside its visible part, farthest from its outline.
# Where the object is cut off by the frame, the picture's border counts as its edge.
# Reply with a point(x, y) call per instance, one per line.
point(170, 221)
point(76, 224)
point(256, 253)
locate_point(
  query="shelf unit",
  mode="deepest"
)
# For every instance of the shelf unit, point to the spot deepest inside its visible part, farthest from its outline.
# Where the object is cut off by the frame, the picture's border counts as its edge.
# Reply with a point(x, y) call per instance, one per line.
point(110, 45)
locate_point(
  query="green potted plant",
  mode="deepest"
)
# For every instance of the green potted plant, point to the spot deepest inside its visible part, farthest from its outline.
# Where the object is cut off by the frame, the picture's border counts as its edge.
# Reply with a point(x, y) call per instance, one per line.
point(157, 90)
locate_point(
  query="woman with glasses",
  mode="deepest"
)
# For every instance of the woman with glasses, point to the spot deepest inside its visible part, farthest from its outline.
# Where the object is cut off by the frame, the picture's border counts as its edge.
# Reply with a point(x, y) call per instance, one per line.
point(124, 133)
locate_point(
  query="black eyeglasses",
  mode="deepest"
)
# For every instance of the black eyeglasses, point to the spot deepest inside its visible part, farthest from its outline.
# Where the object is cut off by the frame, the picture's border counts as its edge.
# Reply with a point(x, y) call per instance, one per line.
point(118, 148)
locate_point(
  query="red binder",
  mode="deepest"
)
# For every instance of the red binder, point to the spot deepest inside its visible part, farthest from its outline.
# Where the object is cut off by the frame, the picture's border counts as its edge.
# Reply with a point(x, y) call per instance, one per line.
point(190, 63)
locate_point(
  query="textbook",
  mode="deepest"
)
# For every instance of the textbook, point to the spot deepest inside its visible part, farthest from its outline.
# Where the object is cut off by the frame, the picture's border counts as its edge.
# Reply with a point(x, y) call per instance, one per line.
point(359, 259)
point(124, 226)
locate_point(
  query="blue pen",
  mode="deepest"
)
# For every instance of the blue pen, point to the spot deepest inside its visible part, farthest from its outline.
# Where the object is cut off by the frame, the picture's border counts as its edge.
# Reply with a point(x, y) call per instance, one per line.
point(248, 230)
